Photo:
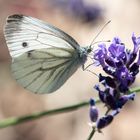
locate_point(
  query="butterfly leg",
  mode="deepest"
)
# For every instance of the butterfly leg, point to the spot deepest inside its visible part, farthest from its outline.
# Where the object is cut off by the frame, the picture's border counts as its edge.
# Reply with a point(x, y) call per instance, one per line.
point(86, 69)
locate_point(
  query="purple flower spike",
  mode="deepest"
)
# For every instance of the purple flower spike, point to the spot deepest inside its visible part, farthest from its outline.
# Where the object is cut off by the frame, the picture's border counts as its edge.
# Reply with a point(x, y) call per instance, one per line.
point(110, 101)
point(117, 40)
point(138, 62)
point(123, 100)
point(115, 112)
point(100, 54)
point(107, 80)
point(104, 121)
point(136, 42)
point(131, 96)
point(121, 67)
point(93, 113)
point(128, 97)
point(102, 95)
point(134, 69)
point(116, 50)
point(119, 63)
point(79, 9)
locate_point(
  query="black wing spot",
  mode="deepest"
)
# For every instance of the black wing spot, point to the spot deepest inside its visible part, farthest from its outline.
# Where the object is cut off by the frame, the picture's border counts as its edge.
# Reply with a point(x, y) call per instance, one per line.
point(16, 16)
point(24, 44)
point(10, 20)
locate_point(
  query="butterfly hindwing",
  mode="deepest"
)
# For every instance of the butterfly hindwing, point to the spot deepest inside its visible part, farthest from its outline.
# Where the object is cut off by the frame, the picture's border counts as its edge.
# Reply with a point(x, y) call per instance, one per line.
point(42, 75)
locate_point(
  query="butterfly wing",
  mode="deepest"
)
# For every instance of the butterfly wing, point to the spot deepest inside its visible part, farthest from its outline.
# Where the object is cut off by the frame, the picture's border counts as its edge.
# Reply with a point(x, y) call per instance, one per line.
point(43, 56)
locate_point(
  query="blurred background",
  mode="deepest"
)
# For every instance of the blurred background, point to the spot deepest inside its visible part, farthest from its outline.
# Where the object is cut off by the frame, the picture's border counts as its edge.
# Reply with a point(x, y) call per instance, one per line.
point(82, 20)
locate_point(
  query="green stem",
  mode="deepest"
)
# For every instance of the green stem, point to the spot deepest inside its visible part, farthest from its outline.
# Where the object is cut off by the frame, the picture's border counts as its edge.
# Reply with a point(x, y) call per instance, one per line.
point(135, 89)
point(91, 134)
point(16, 120)
point(107, 111)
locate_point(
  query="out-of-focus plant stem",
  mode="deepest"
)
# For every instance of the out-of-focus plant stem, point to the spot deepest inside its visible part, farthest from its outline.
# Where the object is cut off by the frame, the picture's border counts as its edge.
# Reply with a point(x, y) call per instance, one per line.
point(17, 120)
point(91, 134)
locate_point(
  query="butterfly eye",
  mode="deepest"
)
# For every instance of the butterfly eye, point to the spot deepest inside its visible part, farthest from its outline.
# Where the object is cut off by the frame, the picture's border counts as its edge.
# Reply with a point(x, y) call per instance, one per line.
point(89, 50)
point(24, 44)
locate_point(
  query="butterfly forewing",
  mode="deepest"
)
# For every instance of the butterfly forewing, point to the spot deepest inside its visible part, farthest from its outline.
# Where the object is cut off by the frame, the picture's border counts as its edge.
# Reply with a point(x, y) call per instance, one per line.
point(35, 34)
point(43, 56)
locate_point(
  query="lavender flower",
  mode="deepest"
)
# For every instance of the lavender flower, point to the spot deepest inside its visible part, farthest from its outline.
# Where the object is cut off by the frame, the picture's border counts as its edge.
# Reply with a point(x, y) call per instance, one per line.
point(106, 120)
point(103, 121)
point(121, 66)
point(87, 12)
point(93, 111)
point(119, 63)
point(80, 9)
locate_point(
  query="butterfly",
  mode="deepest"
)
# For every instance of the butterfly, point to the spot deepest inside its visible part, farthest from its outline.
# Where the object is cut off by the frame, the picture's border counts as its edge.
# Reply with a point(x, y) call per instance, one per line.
point(43, 56)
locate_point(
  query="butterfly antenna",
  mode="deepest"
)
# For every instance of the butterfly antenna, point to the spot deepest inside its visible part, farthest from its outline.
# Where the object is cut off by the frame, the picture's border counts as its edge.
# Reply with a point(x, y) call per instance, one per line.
point(99, 32)
point(92, 72)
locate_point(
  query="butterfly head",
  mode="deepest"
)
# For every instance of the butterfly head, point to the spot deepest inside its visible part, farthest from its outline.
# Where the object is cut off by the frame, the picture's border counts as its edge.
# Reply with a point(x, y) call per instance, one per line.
point(83, 53)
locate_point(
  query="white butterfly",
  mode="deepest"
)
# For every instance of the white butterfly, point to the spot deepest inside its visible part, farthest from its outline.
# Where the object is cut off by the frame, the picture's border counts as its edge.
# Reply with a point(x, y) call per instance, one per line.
point(43, 56)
